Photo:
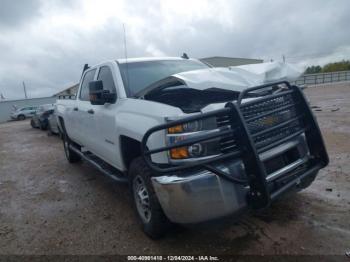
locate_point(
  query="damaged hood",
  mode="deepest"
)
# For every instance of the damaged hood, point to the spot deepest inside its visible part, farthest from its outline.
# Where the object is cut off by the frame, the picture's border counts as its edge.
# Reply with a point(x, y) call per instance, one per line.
point(238, 78)
point(192, 91)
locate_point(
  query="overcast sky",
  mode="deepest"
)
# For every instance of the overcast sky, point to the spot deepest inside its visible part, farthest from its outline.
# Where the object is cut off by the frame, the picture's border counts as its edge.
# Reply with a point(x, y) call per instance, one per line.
point(46, 43)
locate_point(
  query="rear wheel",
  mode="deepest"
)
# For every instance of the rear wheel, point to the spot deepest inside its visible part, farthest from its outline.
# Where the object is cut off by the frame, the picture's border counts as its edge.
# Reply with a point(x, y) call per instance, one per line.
point(153, 220)
point(71, 156)
point(21, 117)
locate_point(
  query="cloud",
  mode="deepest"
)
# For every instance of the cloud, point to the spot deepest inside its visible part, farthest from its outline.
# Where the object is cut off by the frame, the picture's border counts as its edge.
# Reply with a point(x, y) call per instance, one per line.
point(16, 13)
point(46, 43)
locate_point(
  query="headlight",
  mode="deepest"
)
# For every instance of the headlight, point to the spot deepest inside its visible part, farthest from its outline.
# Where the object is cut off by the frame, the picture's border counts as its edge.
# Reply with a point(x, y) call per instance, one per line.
point(194, 126)
point(192, 130)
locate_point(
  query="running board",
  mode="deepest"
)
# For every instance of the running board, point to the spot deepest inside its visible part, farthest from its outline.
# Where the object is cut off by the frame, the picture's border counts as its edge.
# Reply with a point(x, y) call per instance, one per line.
point(100, 165)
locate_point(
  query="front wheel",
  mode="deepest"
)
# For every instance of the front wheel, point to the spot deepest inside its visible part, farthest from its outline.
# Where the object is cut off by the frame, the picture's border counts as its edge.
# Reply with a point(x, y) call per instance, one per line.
point(153, 220)
point(71, 156)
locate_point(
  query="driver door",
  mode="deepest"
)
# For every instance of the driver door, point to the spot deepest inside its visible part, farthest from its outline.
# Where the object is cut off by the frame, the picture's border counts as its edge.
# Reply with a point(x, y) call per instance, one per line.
point(106, 142)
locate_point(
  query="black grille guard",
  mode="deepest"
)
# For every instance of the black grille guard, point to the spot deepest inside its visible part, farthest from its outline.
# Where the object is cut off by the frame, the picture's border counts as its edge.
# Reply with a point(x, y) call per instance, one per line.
point(248, 148)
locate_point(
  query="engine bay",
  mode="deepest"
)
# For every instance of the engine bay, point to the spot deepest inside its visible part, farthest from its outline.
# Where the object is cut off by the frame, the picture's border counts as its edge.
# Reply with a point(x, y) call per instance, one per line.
point(190, 100)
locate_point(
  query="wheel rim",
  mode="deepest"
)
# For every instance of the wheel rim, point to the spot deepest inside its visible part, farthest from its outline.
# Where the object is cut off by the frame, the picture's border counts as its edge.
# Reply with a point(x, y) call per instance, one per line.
point(141, 197)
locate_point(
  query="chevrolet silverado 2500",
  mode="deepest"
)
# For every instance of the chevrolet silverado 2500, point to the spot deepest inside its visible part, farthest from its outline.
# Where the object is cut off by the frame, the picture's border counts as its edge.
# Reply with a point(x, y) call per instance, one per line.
point(195, 143)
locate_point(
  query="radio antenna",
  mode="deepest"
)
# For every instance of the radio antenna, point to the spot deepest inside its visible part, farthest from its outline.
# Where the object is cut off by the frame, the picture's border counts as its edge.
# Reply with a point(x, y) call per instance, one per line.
point(126, 57)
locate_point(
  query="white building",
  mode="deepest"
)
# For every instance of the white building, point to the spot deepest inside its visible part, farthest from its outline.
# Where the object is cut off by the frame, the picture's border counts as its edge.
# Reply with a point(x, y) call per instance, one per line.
point(221, 61)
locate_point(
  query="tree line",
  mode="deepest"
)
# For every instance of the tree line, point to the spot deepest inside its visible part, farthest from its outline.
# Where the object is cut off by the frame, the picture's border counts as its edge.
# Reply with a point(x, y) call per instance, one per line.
point(331, 67)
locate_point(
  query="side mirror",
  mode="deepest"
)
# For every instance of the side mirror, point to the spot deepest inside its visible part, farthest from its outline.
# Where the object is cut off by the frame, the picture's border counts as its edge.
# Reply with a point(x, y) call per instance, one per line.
point(98, 96)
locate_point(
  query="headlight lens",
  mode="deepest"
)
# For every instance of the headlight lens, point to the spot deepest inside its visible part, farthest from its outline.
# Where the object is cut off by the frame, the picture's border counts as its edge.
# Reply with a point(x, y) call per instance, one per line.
point(194, 126)
point(175, 129)
point(189, 131)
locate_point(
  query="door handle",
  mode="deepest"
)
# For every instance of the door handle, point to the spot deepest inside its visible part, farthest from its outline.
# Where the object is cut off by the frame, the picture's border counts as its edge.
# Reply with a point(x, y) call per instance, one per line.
point(75, 109)
point(91, 111)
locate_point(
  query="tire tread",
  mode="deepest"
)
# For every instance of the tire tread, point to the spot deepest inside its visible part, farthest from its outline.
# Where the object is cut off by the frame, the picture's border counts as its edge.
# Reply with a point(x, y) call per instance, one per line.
point(159, 224)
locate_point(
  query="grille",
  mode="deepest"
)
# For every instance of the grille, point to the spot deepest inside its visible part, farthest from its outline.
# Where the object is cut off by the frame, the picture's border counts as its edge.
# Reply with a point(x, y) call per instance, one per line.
point(269, 120)
point(258, 108)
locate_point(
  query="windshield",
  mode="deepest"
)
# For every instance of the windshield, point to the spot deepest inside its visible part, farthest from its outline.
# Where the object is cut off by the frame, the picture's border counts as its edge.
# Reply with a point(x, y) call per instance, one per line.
point(138, 75)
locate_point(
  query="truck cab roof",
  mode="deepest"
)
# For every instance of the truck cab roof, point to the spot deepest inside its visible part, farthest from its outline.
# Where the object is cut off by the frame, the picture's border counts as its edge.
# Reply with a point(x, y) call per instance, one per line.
point(149, 59)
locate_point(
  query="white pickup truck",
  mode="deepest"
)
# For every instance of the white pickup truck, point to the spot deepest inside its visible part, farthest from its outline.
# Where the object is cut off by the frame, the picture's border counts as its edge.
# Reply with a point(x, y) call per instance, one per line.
point(195, 143)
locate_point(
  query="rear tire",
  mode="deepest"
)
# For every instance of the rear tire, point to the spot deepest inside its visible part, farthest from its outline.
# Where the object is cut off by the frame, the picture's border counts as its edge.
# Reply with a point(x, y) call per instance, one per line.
point(71, 156)
point(21, 117)
point(153, 220)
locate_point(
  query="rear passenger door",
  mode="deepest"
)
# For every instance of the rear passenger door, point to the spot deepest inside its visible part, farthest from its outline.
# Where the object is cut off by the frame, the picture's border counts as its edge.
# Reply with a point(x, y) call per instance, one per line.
point(80, 120)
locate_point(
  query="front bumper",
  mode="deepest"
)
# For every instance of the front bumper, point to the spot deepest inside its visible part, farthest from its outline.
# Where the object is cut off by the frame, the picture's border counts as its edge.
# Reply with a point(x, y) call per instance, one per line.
point(205, 196)
point(198, 196)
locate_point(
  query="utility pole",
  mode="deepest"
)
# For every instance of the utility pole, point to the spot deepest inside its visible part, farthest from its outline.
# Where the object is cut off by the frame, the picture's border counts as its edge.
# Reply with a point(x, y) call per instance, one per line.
point(284, 59)
point(24, 89)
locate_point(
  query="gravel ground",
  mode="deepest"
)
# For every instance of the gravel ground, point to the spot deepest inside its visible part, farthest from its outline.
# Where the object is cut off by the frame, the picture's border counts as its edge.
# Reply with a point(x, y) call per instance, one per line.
point(48, 206)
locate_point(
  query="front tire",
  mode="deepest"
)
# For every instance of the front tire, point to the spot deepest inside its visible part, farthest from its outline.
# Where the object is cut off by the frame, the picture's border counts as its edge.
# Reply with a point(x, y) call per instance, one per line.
point(71, 156)
point(153, 220)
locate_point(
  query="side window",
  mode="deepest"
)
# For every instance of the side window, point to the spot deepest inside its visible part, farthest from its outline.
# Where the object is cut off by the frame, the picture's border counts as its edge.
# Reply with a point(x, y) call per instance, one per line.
point(105, 75)
point(84, 93)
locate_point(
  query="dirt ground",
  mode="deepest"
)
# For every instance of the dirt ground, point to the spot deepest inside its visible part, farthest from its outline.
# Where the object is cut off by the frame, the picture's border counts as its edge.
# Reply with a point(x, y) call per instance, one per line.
point(48, 206)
